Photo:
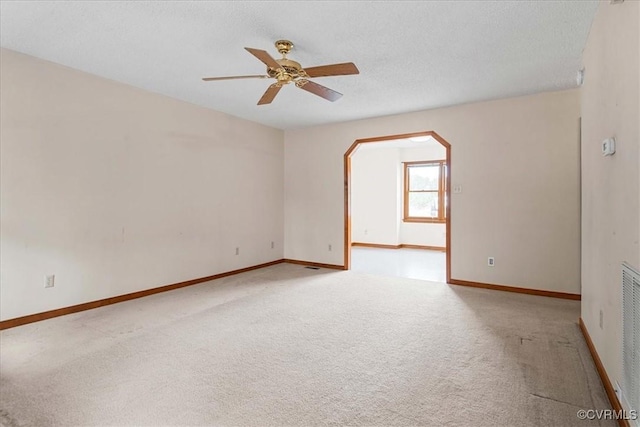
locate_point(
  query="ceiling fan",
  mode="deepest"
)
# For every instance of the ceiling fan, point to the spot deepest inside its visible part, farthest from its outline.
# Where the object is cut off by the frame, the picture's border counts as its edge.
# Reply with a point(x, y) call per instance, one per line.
point(286, 71)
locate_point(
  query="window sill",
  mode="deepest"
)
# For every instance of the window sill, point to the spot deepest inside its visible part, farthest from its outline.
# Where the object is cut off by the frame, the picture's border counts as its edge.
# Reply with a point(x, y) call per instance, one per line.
point(427, 220)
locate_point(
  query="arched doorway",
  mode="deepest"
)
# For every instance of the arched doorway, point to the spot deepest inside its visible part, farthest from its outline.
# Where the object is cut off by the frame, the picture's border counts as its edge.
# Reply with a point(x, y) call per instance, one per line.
point(347, 191)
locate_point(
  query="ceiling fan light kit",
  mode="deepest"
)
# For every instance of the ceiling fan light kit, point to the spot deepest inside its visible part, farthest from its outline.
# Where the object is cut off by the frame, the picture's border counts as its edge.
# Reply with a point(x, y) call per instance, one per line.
point(285, 71)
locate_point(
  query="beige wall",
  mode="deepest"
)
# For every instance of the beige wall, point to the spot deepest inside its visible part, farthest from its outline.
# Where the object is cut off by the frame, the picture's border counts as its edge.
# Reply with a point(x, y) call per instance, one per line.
point(611, 185)
point(517, 161)
point(115, 190)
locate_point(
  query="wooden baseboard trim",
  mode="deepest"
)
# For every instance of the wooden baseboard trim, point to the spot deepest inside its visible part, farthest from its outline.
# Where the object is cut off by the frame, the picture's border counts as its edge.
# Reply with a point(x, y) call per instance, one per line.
point(19, 321)
point(381, 246)
point(538, 292)
point(314, 264)
point(606, 382)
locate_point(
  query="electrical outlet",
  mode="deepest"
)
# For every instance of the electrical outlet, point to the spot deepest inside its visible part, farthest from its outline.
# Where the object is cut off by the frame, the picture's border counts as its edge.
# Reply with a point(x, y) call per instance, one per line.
point(49, 281)
point(237, 251)
point(601, 319)
point(272, 245)
point(457, 189)
point(491, 261)
point(366, 231)
point(330, 247)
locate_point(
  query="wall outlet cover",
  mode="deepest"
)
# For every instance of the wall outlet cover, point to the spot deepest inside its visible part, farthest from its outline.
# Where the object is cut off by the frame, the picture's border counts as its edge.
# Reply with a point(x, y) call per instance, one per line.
point(49, 281)
point(609, 147)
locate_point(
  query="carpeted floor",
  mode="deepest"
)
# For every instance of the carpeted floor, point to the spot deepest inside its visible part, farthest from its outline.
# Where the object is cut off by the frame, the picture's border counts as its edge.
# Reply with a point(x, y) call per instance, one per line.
point(289, 346)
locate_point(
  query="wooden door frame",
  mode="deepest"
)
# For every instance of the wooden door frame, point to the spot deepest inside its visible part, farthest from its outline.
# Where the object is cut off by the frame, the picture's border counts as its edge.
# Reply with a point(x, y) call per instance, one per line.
point(347, 192)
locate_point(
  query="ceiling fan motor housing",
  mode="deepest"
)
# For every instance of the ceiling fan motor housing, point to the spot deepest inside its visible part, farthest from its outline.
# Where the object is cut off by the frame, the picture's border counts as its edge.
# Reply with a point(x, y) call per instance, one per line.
point(291, 70)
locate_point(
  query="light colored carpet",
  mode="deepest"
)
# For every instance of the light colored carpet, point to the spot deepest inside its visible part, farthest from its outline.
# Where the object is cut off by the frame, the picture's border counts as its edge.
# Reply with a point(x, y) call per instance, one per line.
point(289, 346)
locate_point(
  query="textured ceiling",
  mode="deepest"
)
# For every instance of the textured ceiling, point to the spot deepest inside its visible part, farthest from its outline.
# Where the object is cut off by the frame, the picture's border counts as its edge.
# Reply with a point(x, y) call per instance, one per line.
point(411, 55)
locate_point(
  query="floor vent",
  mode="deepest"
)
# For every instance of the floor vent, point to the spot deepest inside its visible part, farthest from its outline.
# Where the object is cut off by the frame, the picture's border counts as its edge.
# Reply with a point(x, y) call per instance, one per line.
point(313, 268)
point(631, 336)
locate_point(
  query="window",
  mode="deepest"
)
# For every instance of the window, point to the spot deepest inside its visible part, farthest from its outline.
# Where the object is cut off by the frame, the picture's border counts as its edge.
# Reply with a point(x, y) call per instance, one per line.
point(424, 191)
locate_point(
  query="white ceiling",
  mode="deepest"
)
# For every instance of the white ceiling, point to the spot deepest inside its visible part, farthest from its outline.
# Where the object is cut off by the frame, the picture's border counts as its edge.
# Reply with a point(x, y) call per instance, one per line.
point(411, 55)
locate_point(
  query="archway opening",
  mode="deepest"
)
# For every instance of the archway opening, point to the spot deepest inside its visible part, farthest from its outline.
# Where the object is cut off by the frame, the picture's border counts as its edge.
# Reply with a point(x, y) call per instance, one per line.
point(444, 191)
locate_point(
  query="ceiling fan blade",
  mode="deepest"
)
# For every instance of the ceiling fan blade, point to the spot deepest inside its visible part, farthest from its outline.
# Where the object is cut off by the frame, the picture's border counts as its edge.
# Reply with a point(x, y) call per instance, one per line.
point(263, 56)
point(321, 91)
point(344, 69)
point(210, 79)
point(271, 93)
